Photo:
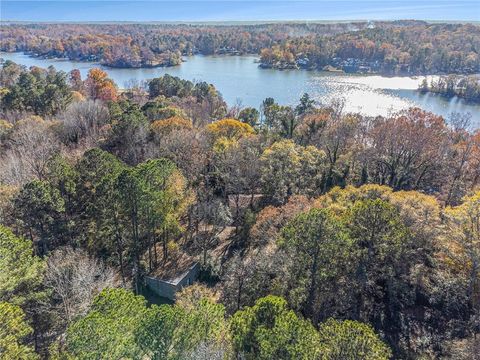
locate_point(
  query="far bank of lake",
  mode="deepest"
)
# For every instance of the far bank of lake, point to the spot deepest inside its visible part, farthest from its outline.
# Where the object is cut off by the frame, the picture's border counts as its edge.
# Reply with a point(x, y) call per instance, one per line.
point(239, 79)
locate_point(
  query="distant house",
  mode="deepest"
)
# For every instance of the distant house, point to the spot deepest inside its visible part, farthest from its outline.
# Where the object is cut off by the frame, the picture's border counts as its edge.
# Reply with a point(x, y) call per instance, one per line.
point(303, 61)
point(167, 287)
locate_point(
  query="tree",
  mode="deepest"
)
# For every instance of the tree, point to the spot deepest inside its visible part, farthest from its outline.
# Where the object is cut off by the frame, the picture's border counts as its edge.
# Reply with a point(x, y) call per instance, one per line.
point(39, 207)
point(189, 297)
point(270, 220)
point(63, 176)
point(245, 279)
point(13, 331)
point(384, 257)
point(348, 339)
point(337, 139)
point(312, 126)
point(229, 129)
point(132, 198)
point(97, 203)
point(288, 169)
point(462, 245)
point(187, 148)
point(152, 197)
point(129, 133)
point(43, 92)
point(75, 80)
point(208, 351)
point(108, 329)
point(318, 250)
point(157, 335)
point(268, 330)
point(21, 276)
point(21, 272)
point(306, 105)
point(7, 209)
point(405, 266)
point(99, 86)
point(33, 144)
point(280, 119)
point(461, 161)
point(119, 325)
point(161, 128)
point(407, 150)
point(169, 86)
point(423, 87)
point(174, 332)
point(236, 172)
point(161, 108)
point(164, 200)
point(74, 279)
point(10, 72)
point(84, 122)
point(249, 116)
point(210, 217)
point(280, 163)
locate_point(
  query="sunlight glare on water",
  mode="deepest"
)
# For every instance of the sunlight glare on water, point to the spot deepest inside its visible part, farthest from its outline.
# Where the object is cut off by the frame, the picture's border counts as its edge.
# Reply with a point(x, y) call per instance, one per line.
point(367, 95)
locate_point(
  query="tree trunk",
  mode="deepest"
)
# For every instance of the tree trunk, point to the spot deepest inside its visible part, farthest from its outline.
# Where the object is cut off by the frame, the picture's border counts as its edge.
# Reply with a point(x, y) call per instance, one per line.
point(312, 286)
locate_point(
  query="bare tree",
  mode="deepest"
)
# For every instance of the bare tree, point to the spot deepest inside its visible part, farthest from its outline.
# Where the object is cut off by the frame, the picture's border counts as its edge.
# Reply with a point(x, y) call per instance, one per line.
point(74, 279)
point(239, 170)
point(246, 279)
point(187, 148)
point(210, 217)
point(234, 110)
point(407, 150)
point(31, 145)
point(208, 351)
point(84, 121)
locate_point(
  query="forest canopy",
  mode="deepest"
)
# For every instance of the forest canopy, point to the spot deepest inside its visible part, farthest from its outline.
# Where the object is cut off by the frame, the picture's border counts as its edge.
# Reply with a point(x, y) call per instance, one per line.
point(319, 234)
point(398, 47)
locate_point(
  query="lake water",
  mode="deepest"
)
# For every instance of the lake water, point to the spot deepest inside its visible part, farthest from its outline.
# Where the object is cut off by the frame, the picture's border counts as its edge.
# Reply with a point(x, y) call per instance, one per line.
point(239, 78)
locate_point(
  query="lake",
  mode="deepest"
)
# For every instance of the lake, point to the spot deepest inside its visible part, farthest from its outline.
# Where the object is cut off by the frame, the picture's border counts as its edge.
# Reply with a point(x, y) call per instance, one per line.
point(239, 79)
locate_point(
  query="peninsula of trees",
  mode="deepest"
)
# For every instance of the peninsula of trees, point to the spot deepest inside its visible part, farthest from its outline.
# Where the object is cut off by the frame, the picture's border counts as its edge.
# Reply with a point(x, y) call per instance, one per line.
point(465, 87)
point(320, 234)
point(399, 47)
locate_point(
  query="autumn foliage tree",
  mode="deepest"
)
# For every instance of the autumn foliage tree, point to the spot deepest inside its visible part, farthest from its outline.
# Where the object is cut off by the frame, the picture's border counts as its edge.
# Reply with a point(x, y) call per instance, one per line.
point(99, 86)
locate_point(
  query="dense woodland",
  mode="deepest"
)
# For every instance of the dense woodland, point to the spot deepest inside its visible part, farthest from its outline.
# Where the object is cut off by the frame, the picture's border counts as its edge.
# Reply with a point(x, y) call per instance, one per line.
point(416, 49)
point(321, 234)
point(399, 47)
point(465, 87)
point(141, 45)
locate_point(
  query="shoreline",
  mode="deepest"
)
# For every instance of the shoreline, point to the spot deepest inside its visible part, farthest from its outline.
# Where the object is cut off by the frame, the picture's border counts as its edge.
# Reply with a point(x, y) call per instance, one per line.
point(86, 61)
point(252, 84)
point(450, 97)
point(333, 69)
point(326, 68)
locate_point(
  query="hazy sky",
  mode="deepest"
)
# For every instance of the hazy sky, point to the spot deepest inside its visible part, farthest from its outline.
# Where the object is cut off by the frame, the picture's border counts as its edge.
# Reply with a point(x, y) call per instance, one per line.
point(159, 10)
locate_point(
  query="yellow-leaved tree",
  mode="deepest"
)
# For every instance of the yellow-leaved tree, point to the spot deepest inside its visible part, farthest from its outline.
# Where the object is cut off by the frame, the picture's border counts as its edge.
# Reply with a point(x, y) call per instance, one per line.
point(462, 244)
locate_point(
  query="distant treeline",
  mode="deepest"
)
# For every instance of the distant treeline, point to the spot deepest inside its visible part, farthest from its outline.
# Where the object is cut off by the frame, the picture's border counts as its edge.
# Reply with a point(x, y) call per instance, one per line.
point(414, 49)
point(144, 45)
point(466, 87)
point(400, 47)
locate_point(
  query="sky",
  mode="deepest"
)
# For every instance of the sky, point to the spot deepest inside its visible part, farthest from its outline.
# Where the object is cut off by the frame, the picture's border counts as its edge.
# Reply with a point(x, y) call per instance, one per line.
point(247, 10)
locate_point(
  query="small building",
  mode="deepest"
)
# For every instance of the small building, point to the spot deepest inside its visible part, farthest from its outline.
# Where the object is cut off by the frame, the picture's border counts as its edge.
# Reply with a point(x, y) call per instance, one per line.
point(167, 287)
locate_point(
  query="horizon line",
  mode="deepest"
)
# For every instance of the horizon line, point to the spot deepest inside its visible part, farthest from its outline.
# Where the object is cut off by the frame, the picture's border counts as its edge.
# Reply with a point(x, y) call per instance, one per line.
point(259, 22)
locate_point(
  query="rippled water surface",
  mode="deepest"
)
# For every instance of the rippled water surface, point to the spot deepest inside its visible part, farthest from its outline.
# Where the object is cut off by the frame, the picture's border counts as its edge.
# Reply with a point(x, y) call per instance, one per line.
point(240, 79)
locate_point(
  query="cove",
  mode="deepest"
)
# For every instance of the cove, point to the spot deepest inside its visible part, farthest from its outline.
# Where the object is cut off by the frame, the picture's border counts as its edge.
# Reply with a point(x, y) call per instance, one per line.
point(240, 80)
